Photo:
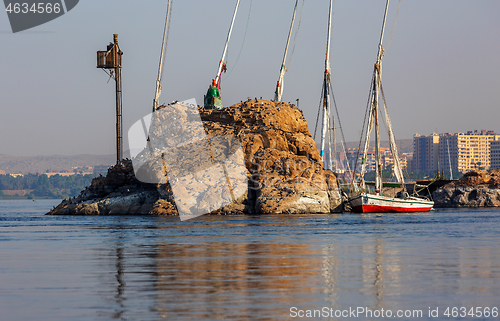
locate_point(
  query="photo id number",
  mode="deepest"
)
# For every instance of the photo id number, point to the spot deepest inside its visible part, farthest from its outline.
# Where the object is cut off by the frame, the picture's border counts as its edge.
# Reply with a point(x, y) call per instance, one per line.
point(40, 7)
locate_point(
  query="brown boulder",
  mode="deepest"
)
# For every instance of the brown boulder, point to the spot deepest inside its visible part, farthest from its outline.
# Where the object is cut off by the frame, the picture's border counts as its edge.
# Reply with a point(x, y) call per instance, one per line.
point(475, 189)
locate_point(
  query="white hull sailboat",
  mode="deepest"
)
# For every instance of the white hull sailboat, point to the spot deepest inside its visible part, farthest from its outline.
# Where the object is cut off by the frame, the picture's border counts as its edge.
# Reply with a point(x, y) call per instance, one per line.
point(360, 199)
point(369, 203)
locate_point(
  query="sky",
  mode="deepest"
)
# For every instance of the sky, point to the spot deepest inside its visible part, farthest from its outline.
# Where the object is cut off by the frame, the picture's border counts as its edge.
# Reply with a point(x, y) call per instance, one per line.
point(441, 70)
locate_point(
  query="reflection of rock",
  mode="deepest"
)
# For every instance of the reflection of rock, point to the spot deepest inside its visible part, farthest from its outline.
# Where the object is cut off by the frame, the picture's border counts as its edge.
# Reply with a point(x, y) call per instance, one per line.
point(282, 170)
point(219, 281)
point(474, 189)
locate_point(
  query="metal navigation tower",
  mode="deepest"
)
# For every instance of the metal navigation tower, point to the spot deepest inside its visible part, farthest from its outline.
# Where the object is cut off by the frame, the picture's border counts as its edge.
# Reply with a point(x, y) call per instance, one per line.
point(112, 59)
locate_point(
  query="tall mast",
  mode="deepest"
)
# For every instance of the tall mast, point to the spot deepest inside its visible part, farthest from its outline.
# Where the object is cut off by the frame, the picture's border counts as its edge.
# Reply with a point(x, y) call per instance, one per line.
point(221, 63)
point(162, 54)
point(326, 99)
point(279, 85)
point(449, 157)
point(376, 92)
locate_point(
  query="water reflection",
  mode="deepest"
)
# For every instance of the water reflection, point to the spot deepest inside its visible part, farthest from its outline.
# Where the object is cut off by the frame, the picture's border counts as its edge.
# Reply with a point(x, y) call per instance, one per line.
point(242, 268)
point(356, 270)
point(175, 272)
point(120, 289)
point(233, 279)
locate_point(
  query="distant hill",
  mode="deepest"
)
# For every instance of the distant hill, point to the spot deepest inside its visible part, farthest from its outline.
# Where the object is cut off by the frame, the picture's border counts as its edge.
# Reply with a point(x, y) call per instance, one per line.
point(41, 164)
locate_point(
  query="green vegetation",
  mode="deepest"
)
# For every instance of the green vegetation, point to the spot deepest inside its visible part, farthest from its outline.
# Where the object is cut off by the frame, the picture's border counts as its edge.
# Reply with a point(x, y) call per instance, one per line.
point(42, 186)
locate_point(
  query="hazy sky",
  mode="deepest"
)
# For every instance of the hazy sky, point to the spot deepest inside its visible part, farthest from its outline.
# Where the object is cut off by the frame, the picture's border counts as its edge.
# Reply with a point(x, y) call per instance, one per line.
point(441, 71)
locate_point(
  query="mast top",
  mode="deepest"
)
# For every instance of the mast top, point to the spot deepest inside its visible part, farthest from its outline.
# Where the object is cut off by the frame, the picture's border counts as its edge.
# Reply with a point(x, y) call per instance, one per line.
point(328, 38)
point(162, 55)
point(222, 63)
point(279, 85)
point(380, 47)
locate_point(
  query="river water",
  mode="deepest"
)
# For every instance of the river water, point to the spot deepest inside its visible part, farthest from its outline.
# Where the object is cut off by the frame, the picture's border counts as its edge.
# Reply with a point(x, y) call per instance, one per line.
point(248, 267)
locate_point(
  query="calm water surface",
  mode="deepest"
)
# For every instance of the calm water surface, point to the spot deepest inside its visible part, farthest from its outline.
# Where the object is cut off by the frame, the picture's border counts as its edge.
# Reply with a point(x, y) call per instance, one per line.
point(244, 267)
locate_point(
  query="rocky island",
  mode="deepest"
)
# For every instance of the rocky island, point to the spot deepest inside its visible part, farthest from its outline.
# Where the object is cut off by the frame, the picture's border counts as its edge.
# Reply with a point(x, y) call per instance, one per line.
point(475, 189)
point(283, 166)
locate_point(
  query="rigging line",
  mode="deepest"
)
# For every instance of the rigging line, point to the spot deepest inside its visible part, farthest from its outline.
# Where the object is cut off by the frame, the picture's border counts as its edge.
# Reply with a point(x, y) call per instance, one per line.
point(407, 174)
point(368, 107)
point(393, 27)
point(395, 147)
point(412, 177)
point(242, 44)
point(384, 121)
point(319, 111)
point(337, 113)
point(385, 106)
point(449, 158)
point(168, 34)
point(296, 34)
point(332, 146)
point(343, 141)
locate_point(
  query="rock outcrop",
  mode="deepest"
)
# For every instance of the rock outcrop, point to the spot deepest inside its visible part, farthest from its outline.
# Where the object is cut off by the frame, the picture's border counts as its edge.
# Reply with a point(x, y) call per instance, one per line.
point(474, 189)
point(283, 168)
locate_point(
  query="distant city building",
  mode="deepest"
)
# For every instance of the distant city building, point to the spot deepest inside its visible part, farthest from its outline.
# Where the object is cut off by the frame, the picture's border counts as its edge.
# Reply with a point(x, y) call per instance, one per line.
point(473, 150)
point(462, 152)
point(101, 170)
point(404, 159)
point(370, 159)
point(49, 174)
point(16, 175)
point(448, 152)
point(495, 154)
point(386, 158)
point(425, 153)
point(346, 161)
point(84, 170)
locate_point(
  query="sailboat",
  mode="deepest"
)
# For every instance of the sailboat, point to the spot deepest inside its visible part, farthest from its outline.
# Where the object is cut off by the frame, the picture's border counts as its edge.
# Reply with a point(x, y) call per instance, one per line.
point(212, 98)
point(360, 199)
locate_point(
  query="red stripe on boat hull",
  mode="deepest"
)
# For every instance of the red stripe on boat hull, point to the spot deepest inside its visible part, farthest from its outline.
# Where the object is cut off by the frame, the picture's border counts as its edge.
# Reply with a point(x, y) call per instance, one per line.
point(389, 209)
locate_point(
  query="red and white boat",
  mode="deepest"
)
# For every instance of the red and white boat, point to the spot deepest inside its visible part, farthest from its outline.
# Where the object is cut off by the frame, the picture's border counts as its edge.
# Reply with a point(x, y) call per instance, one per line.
point(369, 203)
point(360, 200)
